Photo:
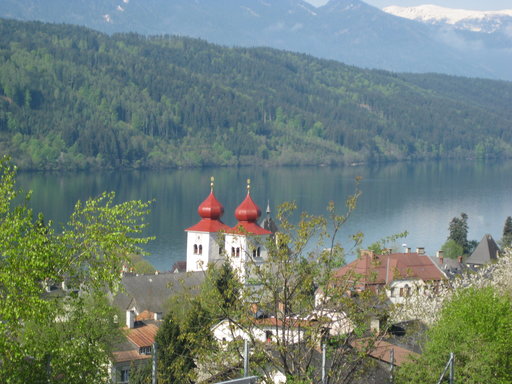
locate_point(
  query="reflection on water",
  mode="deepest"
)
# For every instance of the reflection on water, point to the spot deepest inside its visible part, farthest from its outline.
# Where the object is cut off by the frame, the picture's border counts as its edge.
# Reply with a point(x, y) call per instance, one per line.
point(418, 197)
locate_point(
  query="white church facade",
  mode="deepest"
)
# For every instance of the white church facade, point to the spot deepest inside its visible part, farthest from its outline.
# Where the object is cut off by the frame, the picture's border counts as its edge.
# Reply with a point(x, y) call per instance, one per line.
point(212, 241)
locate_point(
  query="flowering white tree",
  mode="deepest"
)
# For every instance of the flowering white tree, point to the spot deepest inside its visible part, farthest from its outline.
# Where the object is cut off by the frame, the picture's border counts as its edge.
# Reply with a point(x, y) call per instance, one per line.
point(426, 304)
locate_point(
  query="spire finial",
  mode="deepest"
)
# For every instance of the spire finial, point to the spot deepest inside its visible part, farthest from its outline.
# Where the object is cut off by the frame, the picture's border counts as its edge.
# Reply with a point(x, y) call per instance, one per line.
point(248, 186)
point(212, 182)
point(268, 207)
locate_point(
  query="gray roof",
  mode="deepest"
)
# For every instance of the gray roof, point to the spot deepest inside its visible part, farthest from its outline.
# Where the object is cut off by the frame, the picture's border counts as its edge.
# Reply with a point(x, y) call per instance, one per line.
point(152, 292)
point(449, 267)
point(486, 252)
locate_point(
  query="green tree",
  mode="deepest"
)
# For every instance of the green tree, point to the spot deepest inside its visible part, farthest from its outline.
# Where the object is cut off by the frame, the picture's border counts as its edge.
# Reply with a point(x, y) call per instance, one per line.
point(475, 325)
point(506, 240)
point(141, 373)
point(175, 353)
point(301, 261)
point(46, 338)
point(451, 249)
point(459, 231)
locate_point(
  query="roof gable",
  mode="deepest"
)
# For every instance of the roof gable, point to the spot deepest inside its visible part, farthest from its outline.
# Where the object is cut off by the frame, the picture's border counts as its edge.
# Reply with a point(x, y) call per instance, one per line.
point(486, 251)
point(370, 269)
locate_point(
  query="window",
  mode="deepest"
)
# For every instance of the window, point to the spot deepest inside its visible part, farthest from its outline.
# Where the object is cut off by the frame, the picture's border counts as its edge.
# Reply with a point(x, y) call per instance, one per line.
point(220, 251)
point(200, 249)
point(232, 251)
point(125, 375)
point(259, 251)
point(145, 350)
point(237, 252)
point(195, 249)
point(254, 252)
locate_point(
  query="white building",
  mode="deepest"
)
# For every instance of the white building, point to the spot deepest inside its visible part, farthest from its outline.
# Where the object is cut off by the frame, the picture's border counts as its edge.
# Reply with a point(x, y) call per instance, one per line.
point(210, 240)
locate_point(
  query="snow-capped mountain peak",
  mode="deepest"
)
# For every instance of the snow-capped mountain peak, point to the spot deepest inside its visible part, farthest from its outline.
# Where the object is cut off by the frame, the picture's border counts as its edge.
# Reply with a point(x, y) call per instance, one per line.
point(478, 21)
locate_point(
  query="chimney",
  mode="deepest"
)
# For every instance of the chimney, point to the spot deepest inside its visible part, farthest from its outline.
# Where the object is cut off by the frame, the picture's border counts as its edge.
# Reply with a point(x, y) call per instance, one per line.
point(420, 251)
point(440, 256)
point(281, 310)
point(158, 316)
point(130, 319)
point(407, 250)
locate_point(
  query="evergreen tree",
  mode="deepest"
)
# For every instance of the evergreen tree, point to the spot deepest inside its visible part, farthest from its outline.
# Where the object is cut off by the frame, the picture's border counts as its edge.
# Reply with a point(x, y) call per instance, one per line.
point(506, 240)
point(459, 232)
point(175, 359)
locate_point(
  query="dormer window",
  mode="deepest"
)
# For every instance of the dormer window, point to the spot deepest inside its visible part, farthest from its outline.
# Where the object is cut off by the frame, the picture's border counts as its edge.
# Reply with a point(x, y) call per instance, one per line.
point(145, 350)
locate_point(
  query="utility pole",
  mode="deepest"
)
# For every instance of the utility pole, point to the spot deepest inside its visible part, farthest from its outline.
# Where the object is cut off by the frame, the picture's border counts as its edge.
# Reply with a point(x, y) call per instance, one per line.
point(391, 365)
point(153, 366)
point(449, 365)
point(323, 363)
point(246, 358)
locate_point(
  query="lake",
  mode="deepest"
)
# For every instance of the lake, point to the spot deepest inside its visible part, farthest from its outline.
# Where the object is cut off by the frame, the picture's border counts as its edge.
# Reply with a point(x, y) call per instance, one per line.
point(420, 197)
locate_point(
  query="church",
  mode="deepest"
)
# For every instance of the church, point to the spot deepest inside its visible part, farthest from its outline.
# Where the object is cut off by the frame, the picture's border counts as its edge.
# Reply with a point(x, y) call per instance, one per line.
point(212, 241)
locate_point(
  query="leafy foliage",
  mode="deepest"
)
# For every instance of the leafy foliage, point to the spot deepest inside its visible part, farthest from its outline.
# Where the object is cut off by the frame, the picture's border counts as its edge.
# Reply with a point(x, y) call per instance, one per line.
point(46, 337)
point(476, 326)
point(75, 98)
point(451, 249)
point(279, 297)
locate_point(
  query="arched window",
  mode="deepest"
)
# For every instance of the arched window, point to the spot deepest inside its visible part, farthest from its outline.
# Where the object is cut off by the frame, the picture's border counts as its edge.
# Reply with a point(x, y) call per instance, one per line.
point(232, 251)
point(254, 252)
point(200, 249)
point(259, 251)
point(237, 252)
point(195, 249)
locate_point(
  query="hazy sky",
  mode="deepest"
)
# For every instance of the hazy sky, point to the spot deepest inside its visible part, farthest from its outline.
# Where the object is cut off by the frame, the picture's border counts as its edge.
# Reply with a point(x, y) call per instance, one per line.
point(487, 5)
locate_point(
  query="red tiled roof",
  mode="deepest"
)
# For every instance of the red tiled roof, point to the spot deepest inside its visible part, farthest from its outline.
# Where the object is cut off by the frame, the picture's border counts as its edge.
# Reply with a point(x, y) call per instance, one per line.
point(143, 336)
point(131, 355)
point(383, 269)
point(209, 225)
point(249, 228)
point(382, 351)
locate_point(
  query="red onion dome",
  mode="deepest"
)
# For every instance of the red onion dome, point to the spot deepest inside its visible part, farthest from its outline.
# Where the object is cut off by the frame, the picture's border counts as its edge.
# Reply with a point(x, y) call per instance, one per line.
point(248, 210)
point(210, 208)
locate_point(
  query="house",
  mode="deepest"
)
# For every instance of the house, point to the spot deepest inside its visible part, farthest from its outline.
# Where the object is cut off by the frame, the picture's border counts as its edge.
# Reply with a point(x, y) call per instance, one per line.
point(144, 302)
point(396, 273)
point(265, 330)
point(486, 252)
point(137, 348)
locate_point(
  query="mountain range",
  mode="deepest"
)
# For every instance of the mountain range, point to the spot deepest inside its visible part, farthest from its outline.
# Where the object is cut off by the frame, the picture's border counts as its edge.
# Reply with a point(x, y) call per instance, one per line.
point(350, 31)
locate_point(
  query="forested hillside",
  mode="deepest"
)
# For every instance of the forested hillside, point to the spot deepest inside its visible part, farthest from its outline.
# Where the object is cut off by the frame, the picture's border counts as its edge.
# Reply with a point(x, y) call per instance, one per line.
point(75, 98)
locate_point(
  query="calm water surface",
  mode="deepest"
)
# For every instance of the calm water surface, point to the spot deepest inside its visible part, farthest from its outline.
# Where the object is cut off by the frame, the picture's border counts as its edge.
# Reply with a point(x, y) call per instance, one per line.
point(421, 198)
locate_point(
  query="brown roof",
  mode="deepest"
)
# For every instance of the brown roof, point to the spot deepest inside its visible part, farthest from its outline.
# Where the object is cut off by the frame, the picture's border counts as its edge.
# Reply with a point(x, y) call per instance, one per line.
point(370, 269)
point(143, 336)
point(145, 315)
point(382, 351)
point(131, 355)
